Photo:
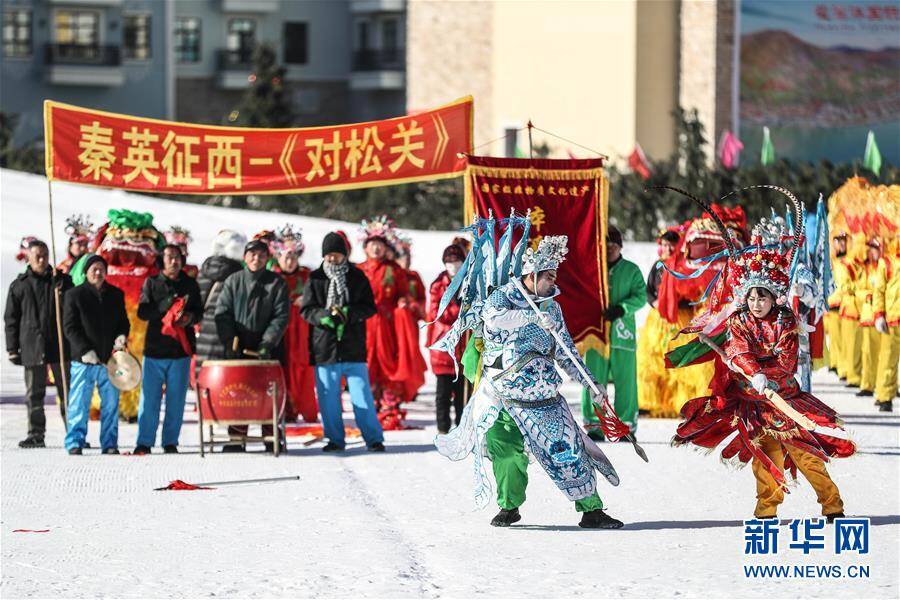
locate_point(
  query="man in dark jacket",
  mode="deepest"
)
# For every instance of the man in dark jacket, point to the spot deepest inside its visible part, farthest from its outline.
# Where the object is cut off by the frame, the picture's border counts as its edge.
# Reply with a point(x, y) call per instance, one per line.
point(96, 325)
point(170, 302)
point(32, 339)
point(336, 302)
point(252, 315)
point(227, 252)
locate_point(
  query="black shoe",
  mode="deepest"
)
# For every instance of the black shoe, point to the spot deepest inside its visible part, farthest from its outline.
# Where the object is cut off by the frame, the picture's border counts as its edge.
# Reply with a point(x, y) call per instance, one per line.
point(505, 518)
point(32, 442)
point(234, 448)
point(830, 518)
point(376, 447)
point(170, 449)
point(864, 394)
point(852, 385)
point(109, 451)
point(597, 519)
point(886, 406)
point(141, 450)
point(74, 451)
point(832, 369)
point(332, 447)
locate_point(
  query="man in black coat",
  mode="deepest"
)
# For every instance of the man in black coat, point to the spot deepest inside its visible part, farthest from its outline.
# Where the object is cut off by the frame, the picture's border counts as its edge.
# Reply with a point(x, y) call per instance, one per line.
point(336, 302)
point(170, 303)
point(32, 339)
point(251, 317)
point(96, 325)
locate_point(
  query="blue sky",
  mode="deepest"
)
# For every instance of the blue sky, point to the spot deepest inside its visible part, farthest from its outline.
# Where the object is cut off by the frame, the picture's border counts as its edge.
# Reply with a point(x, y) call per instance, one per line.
point(799, 17)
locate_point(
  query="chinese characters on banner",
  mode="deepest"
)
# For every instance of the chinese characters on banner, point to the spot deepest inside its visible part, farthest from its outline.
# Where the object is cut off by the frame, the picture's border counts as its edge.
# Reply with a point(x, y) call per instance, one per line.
point(565, 197)
point(121, 151)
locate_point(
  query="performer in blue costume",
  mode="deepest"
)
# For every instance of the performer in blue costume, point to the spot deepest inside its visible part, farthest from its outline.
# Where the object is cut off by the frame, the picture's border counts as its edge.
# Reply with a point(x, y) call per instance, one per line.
point(517, 401)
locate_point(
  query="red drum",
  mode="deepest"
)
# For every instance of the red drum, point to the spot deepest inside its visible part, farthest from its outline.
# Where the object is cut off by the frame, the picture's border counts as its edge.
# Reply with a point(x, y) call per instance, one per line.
point(235, 392)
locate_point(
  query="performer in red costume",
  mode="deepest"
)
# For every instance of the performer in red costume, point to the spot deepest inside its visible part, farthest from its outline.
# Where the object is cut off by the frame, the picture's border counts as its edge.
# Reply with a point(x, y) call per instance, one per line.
point(81, 232)
point(288, 247)
point(755, 398)
point(410, 310)
point(389, 285)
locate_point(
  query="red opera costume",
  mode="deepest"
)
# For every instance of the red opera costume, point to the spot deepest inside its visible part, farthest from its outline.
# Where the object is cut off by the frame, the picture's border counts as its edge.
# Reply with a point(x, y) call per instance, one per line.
point(299, 375)
point(389, 284)
point(768, 346)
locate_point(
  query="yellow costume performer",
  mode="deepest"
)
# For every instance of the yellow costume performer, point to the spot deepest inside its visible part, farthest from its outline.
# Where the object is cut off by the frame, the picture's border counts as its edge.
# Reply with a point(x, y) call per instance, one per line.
point(886, 300)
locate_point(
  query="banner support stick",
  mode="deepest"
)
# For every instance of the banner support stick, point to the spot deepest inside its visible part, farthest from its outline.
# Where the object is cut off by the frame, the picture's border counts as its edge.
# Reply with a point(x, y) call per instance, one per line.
point(57, 301)
point(530, 144)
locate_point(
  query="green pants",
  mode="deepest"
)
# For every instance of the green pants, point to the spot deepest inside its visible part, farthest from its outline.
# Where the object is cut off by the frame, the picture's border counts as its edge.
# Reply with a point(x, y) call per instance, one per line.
point(506, 447)
point(621, 369)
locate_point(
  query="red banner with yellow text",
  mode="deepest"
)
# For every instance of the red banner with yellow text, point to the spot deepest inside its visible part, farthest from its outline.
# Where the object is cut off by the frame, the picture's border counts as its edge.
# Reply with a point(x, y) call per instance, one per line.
point(122, 151)
point(565, 197)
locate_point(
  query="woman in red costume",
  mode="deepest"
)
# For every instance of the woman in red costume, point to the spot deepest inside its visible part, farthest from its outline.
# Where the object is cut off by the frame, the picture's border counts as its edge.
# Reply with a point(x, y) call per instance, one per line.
point(389, 285)
point(287, 246)
point(410, 310)
point(754, 371)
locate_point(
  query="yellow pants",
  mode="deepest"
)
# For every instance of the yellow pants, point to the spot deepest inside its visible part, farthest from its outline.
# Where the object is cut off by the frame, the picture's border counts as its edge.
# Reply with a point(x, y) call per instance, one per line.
point(871, 346)
point(851, 348)
point(886, 370)
point(769, 494)
point(832, 322)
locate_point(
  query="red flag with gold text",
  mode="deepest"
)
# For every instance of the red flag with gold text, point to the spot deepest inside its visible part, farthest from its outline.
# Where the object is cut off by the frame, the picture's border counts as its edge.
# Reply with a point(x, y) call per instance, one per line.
point(565, 197)
point(133, 153)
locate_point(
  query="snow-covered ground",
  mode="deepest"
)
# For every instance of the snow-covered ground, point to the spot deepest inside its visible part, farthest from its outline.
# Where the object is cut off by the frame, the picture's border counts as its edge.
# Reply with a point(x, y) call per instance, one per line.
point(401, 524)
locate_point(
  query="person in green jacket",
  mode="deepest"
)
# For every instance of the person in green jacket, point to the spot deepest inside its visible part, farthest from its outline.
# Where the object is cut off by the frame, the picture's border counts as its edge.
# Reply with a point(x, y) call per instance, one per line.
point(627, 294)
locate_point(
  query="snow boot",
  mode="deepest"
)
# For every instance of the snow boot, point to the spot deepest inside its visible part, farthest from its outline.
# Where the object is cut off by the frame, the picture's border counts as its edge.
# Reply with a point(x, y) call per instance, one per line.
point(505, 518)
point(141, 450)
point(597, 519)
point(170, 449)
point(886, 406)
point(32, 442)
point(332, 447)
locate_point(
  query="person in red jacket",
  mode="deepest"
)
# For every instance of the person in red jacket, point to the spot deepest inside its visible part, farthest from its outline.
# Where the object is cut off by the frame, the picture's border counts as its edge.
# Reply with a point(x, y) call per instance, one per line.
point(410, 310)
point(389, 285)
point(450, 384)
point(300, 376)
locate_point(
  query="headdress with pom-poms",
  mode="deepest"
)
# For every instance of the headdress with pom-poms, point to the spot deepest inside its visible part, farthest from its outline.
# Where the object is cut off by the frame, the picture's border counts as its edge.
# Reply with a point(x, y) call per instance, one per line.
point(378, 228)
point(288, 239)
point(268, 236)
point(766, 264)
point(79, 227)
point(550, 253)
point(22, 253)
point(178, 235)
point(402, 243)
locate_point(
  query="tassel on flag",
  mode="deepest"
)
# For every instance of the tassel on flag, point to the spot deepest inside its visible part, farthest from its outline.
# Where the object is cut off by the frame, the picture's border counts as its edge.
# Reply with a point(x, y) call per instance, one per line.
point(767, 154)
point(872, 157)
point(638, 162)
point(730, 150)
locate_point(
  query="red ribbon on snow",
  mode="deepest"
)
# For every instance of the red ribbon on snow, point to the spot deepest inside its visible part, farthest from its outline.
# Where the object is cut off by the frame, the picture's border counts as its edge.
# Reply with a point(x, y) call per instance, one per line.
point(172, 330)
point(182, 485)
point(31, 531)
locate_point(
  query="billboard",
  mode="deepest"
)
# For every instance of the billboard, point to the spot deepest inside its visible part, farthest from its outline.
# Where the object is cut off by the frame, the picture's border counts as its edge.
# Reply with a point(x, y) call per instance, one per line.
point(820, 75)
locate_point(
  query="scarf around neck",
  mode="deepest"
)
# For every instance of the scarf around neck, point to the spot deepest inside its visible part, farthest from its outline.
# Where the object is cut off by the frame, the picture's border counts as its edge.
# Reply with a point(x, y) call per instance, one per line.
point(337, 283)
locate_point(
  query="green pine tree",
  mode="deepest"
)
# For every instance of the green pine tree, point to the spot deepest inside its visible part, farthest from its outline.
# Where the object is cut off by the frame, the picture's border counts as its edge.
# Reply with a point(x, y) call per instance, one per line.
point(266, 103)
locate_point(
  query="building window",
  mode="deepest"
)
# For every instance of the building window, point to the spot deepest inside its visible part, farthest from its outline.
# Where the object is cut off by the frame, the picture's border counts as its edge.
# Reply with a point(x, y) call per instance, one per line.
point(187, 39)
point(136, 34)
point(77, 28)
point(389, 41)
point(295, 44)
point(16, 33)
point(241, 40)
point(362, 35)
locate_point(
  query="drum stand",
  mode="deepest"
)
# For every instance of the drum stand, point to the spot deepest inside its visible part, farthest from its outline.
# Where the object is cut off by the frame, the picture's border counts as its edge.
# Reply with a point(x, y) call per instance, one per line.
point(278, 424)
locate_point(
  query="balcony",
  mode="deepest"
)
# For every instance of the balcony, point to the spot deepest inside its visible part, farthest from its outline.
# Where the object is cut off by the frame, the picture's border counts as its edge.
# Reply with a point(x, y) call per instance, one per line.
point(79, 64)
point(250, 6)
point(378, 69)
point(234, 68)
point(377, 6)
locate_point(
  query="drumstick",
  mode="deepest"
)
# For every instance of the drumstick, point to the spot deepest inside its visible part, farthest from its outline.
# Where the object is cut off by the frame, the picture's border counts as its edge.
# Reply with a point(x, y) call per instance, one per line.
point(234, 344)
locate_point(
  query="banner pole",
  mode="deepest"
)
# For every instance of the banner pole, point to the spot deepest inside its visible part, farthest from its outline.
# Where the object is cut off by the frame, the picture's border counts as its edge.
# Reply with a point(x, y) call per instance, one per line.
point(530, 145)
point(57, 302)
